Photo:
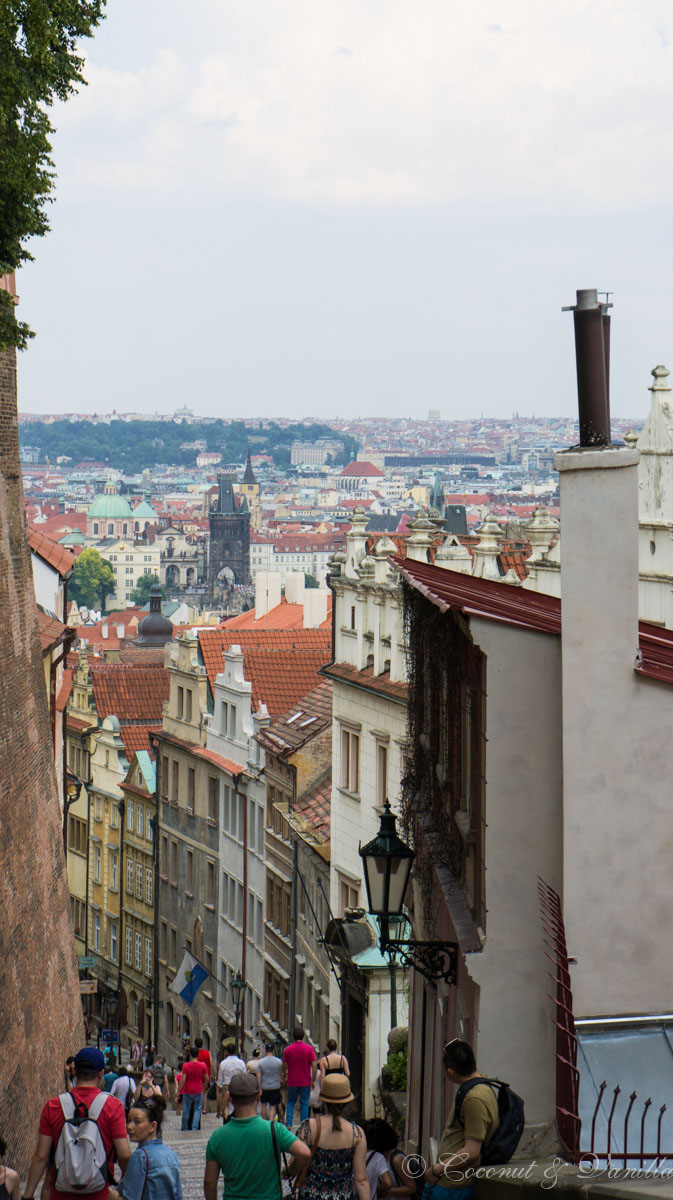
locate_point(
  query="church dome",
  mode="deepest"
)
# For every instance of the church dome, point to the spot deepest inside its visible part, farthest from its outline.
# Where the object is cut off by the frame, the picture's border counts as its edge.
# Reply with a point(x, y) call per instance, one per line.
point(110, 506)
point(155, 629)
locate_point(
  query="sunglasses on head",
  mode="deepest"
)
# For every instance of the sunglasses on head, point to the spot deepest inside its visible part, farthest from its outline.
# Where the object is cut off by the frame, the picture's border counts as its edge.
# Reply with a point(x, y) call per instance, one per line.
point(450, 1044)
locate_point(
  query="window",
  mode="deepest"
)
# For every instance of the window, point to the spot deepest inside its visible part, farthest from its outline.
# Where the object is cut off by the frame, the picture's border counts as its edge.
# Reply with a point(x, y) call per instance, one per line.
point(227, 809)
point(129, 815)
point(129, 874)
point(96, 864)
point(139, 880)
point(208, 964)
point(213, 797)
point(232, 720)
point(181, 701)
point(98, 803)
point(350, 760)
point(95, 527)
point(189, 874)
point(239, 905)
point(114, 817)
point(174, 948)
point(176, 778)
point(164, 777)
point(129, 946)
point(114, 871)
point(174, 861)
point(349, 894)
point(210, 883)
point(381, 773)
point(148, 825)
point(163, 943)
point(139, 951)
point(188, 704)
point(148, 885)
point(96, 931)
point(259, 930)
point(163, 859)
point(241, 817)
point(191, 788)
point(78, 911)
point(148, 956)
point(113, 940)
point(77, 835)
point(140, 820)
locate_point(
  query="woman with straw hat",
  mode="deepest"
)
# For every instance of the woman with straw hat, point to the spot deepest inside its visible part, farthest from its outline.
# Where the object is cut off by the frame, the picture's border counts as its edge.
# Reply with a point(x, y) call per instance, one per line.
point(337, 1169)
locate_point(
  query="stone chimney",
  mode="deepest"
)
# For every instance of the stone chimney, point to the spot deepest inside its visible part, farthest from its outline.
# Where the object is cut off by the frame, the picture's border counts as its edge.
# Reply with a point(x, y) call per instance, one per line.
point(294, 587)
point(267, 592)
point(315, 607)
point(485, 563)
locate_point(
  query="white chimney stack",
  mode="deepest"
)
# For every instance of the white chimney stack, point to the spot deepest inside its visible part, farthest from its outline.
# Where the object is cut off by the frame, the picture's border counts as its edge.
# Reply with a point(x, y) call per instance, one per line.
point(267, 592)
point(294, 587)
point(315, 607)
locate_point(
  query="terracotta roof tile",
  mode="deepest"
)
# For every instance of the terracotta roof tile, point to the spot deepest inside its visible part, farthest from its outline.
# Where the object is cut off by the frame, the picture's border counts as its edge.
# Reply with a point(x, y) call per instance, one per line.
point(281, 665)
point(283, 616)
point(52, 631)
point(362, 469)
point(136, 737)
point(483, 597)
point(129, 691)
point(63, 693)
point(366, 678)
point(308, 717)
point(58, 557)
point(312, 812)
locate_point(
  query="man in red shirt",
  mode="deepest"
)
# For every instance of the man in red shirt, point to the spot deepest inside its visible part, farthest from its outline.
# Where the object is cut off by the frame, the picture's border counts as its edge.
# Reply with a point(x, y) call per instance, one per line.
point(299, 1072)
point(204, 1056)
point(194, 1075)
point(89, 1069)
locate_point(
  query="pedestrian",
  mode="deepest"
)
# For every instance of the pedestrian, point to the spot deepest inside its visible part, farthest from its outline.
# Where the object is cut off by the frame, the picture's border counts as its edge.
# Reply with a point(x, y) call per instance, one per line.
point(269, 1069)
point(137, 1053)
point(299, 1072)
point(159, 1075)
point(204, 1056)
point(462, 1139)
point(69, 1073)
point(147, 1087)
point(231, 1065)
point(83, 1100)
point(248, 1149)
point(193, 1075)
point(386, 1164)
point(150, 1051)
point(252, 1064)
point(124, 1088)
point(109, 1077)
point(10, 1184)
point(177, 1080)
point(333, 1063)
point(153, 1172)
point(338, 1168)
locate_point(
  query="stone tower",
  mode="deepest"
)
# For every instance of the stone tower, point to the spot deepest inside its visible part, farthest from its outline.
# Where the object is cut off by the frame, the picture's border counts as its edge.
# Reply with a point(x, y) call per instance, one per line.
point(248, 488)
point(229, 552)
point(41, 1009)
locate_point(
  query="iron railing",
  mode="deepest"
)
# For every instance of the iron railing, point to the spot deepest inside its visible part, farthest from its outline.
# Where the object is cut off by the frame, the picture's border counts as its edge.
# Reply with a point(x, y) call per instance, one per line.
point(650, 1158)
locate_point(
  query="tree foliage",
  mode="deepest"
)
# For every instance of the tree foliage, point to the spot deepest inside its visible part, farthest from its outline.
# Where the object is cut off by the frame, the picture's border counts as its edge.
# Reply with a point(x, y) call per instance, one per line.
point(92, 580)
point(141, 592)
point(310, 581)
point(131, 446)
point(38, 65)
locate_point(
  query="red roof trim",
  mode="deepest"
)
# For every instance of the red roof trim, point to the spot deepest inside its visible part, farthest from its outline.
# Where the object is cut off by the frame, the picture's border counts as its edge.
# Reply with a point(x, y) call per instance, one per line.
point(483, 597)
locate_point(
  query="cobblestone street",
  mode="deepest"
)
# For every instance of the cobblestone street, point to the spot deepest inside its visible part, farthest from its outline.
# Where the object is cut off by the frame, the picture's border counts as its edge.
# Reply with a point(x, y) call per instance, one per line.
point(191, 1150)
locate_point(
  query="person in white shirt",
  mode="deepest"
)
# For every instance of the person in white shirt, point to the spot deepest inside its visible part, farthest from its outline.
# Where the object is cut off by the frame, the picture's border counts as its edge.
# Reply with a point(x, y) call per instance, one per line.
point(231, 1065)
point(123, 1084)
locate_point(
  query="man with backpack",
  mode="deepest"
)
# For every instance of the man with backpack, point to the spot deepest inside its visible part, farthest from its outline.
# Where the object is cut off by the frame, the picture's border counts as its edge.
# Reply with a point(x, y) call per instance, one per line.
point(483, 1127)
point(80, 1133)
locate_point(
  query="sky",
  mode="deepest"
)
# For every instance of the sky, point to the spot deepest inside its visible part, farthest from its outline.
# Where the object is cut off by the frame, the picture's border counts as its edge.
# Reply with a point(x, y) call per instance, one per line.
point(321, 208)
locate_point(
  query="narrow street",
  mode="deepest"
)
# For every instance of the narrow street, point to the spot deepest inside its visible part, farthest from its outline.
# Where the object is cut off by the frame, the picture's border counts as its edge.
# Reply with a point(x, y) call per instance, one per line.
point(191, 1150)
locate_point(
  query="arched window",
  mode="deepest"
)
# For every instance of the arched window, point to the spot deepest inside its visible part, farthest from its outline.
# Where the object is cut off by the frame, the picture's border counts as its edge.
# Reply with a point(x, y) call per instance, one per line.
point(170, 1018)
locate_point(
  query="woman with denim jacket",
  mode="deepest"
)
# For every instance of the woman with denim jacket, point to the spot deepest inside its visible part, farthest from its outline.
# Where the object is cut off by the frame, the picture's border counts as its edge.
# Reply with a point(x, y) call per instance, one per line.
point(153, 1172)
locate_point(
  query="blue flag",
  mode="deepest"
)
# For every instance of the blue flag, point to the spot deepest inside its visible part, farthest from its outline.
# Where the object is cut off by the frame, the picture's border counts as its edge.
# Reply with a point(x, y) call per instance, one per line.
point(189, 978)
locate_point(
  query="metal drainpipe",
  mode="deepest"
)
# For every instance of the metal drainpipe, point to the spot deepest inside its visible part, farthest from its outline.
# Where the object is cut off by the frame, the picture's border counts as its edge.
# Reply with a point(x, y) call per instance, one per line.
point(122, 811)
point(156, 745)
point(244, 949)
point(293, 939)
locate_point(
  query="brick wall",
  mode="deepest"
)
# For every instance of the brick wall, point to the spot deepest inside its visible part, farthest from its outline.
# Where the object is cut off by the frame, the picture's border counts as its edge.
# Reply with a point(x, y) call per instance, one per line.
point(40, 1010)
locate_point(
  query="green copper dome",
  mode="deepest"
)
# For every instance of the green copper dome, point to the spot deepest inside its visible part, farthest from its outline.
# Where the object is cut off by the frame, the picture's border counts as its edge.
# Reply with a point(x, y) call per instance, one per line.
point(110, 506)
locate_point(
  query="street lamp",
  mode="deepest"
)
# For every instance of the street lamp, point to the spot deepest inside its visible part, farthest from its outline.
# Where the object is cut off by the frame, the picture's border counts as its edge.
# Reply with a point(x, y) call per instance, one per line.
point(72, 789)
point(387, 863)
point(238, 986)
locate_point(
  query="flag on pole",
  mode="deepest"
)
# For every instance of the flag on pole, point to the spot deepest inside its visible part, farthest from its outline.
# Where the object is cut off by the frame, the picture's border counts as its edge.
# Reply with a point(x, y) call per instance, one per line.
point(189, 978)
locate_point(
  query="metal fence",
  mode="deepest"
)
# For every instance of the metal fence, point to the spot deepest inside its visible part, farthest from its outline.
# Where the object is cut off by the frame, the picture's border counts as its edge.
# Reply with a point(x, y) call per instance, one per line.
point(568, 1121)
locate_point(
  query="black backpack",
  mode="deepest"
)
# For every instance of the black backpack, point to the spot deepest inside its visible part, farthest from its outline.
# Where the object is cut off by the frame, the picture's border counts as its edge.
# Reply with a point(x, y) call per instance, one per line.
point(510, 1120)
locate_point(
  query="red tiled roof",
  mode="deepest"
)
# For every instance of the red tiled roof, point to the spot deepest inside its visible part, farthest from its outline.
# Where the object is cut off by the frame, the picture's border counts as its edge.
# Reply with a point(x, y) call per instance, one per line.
point(283, 616)
point(281, 665)
point(308, 717)
point(362, 468)
point(219, 760)
point(136, 737)
point(78, 723)
point(313, 810)
point(60, 523)
point(51, 630)
point(656, 652)
point(128, 653)
point(484, 598)
point(58, 557)
point(367, 679)
point(130, 691)
point(63, 693)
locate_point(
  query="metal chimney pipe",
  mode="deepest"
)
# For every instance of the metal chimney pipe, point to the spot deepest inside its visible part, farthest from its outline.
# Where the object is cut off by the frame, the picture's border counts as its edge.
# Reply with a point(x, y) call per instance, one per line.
point(592, 355)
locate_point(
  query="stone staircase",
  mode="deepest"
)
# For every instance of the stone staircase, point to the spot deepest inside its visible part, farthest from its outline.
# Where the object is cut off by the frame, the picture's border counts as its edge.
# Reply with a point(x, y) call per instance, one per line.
point(190, 1148)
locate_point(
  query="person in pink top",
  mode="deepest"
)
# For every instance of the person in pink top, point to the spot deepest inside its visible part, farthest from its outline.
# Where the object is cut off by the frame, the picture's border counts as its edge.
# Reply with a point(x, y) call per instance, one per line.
point(299, 1072)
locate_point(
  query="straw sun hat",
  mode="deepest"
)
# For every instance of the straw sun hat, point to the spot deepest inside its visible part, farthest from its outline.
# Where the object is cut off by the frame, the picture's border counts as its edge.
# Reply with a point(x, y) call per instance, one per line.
point(336, 1089)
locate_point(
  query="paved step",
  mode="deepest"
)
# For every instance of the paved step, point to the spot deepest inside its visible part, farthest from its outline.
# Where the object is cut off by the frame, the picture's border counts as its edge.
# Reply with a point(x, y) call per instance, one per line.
point(190, 1148)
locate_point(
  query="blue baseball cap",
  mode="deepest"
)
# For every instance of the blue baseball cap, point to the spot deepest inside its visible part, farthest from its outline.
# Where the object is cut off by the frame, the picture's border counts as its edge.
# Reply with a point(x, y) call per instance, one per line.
point(89, 1059)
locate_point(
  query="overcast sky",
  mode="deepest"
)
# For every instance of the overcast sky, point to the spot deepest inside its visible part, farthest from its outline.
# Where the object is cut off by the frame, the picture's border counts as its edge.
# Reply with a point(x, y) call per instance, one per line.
point(322, 207)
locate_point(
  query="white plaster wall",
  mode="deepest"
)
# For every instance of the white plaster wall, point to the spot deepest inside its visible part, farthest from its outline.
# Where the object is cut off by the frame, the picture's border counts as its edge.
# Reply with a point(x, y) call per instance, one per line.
point(47, 583)
point(523, 839)
point(618, 753)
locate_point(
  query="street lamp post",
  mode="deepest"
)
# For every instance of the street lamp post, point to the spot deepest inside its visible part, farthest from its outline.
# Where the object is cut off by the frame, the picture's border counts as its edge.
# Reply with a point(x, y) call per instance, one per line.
point(238, 986)
point(387, 863)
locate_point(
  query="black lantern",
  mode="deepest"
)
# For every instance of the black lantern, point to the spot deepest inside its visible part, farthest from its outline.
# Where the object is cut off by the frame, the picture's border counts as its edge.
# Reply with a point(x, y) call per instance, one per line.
point(387, 863)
